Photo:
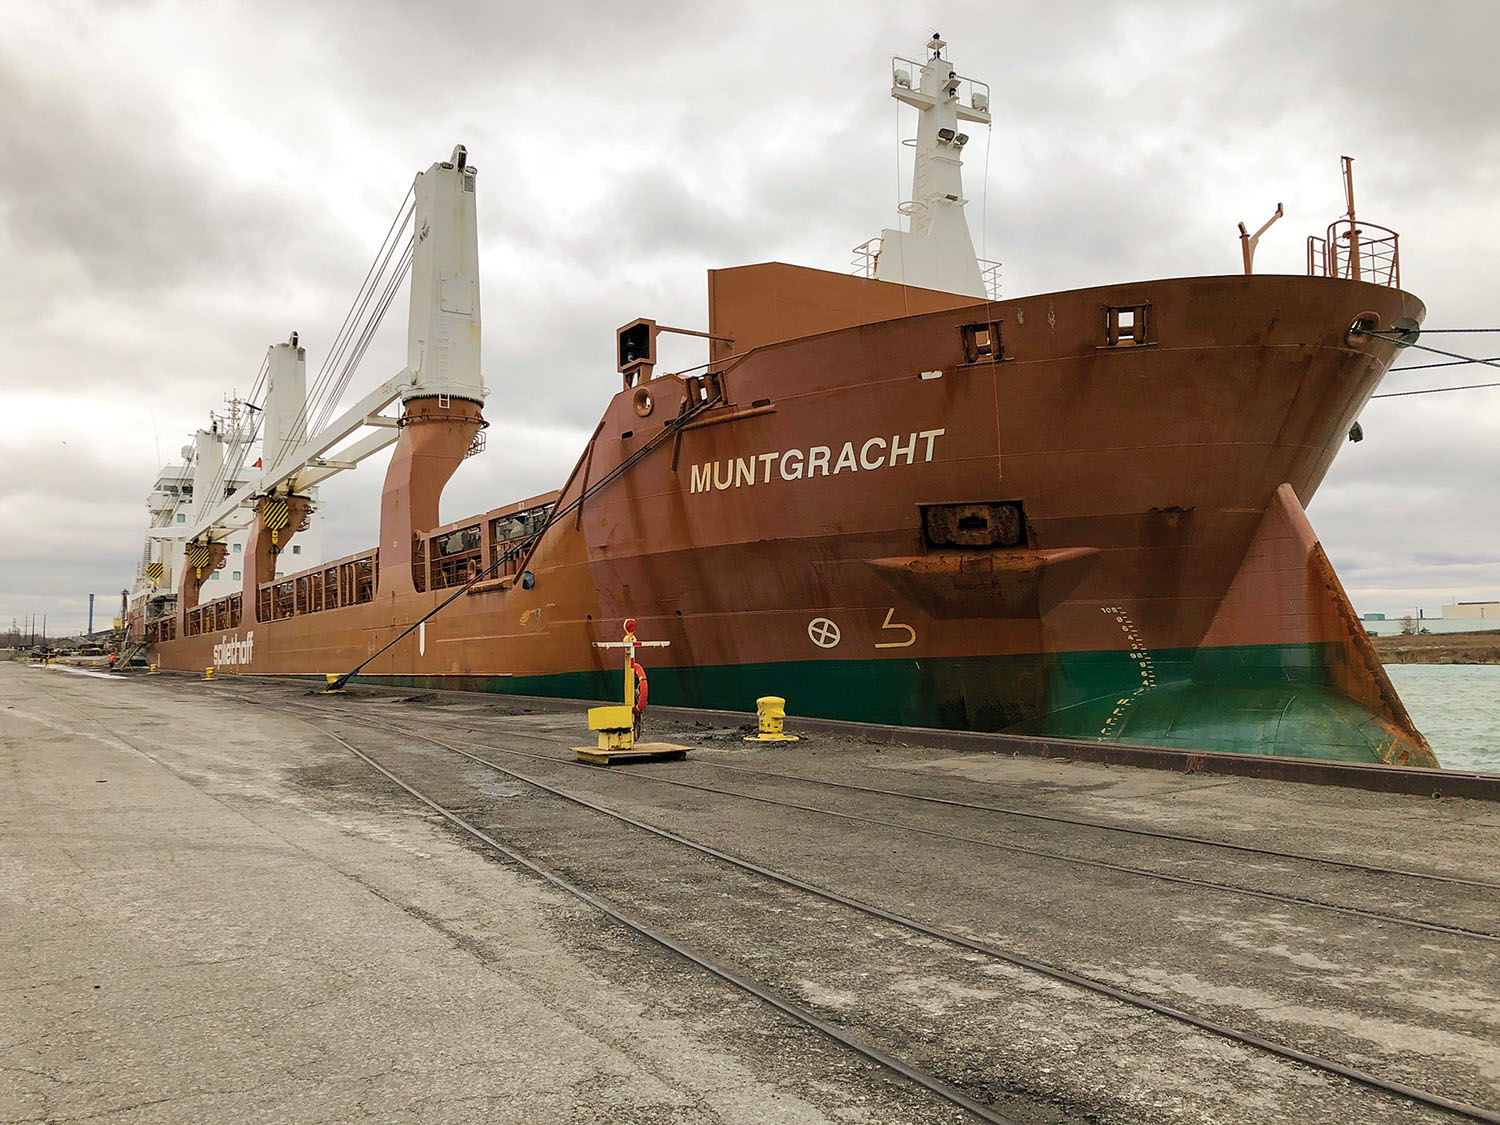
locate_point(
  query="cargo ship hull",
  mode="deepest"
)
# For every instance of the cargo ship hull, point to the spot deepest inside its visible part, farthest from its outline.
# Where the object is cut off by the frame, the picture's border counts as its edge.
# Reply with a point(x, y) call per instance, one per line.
point(1077, 514)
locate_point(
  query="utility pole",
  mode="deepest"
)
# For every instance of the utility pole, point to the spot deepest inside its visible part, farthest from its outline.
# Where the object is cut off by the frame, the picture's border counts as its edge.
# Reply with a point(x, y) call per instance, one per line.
point(89, 632)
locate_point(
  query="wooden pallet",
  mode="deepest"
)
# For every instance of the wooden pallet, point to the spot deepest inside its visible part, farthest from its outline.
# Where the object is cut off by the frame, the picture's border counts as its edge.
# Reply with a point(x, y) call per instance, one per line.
point(640, 752)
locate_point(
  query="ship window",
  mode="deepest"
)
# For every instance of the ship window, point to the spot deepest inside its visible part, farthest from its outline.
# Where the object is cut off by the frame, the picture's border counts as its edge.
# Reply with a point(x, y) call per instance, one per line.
point(1126, 325)
point(237, 576)
point(236, 548)
point(296, 548)
point(982, 342)
point(181, 518)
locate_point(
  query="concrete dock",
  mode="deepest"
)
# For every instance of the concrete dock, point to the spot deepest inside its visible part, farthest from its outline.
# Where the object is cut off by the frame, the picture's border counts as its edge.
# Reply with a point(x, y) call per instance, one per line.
point(210, 910)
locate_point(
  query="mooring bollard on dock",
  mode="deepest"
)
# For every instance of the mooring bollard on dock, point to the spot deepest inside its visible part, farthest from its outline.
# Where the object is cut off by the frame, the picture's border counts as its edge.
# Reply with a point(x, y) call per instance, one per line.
point(770, 713)
point(208, 673)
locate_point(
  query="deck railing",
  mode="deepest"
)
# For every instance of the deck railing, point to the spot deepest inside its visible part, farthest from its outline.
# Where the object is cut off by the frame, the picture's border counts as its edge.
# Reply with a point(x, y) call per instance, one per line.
point(1356, 251)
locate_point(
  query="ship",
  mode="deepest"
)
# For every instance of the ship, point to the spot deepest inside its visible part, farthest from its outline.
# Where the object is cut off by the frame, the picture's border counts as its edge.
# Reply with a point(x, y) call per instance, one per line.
point(211, 466)
point(892, 496)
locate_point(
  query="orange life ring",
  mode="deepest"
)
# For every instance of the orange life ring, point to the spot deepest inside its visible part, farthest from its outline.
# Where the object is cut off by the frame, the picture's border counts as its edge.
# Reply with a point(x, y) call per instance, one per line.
point(640, 686)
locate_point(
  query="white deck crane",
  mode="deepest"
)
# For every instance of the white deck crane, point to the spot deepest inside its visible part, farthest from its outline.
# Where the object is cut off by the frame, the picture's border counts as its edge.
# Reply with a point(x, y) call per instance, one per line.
point(443, 349)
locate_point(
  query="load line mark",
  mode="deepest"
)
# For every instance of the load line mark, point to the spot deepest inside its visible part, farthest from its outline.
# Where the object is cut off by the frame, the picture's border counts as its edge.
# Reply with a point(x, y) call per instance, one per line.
point(1244, 1038)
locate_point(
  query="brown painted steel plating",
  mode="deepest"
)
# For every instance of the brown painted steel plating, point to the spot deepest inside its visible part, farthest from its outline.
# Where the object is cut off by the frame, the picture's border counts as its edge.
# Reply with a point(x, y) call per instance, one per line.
point(1146, 471)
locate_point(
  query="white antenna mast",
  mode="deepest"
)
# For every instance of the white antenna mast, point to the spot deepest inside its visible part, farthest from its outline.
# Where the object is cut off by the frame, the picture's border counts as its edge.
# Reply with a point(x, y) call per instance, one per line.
point(936, 250)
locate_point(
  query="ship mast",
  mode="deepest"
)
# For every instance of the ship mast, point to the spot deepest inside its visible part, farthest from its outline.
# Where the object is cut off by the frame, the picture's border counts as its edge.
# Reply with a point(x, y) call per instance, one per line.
point(441, 392)
point(936, 250)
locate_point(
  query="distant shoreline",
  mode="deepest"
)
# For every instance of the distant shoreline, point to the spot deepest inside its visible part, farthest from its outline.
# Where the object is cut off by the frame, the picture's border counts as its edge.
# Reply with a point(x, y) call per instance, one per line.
point(1440, 648)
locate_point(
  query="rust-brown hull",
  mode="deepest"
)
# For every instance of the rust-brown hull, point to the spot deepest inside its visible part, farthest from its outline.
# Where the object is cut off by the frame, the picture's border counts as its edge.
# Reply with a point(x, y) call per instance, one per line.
point(1166, 573)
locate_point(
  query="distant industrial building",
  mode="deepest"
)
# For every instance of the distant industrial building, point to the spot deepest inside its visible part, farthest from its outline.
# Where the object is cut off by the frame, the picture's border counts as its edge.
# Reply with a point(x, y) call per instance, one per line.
point(1460, 617)
point(1471, 610)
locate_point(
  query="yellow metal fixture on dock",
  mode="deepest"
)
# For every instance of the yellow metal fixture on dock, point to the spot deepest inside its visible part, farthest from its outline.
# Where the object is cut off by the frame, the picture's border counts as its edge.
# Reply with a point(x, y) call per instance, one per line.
point(615, 724)
point(152, 670)
point(332, 678)
point(770, 711)
point(208, 673)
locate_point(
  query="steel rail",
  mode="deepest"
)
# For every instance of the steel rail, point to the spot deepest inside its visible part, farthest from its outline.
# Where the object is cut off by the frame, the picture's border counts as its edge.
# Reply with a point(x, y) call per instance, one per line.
point(1411, 1093)
point(1346, 865)
point(1053, 818)
point(927, 1081)
point(1019, 849)
point(1176, 837)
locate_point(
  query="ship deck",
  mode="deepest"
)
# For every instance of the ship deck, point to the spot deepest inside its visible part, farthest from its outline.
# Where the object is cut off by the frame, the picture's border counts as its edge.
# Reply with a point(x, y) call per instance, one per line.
point(218, 909)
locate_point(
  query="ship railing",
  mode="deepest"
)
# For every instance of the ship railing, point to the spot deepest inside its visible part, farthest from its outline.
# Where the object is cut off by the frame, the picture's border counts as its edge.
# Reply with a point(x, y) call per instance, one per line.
point(1356, 251)
point(456, 556)
point(212, 617)
point(989, 273)
point(343, 582)
point(453, 555)
point(867, 255)
point(419, 564)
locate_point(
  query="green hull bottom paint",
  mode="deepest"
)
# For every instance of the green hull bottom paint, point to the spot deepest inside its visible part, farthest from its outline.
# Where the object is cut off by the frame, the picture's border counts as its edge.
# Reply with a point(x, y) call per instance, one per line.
point(1270, 699)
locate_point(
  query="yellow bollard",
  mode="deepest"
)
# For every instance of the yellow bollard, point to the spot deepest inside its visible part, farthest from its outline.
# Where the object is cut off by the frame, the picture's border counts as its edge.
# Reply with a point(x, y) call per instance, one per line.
point(615, 725)
point(770, 711)
point(208, 673)
point(331, 678)
point(152, 670)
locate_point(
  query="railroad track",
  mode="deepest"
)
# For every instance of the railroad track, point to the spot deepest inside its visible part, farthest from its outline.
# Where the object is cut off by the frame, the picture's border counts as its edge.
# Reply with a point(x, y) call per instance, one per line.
point(319, 718)
point(1051, 818)
point(640, 774)
point(269, 684)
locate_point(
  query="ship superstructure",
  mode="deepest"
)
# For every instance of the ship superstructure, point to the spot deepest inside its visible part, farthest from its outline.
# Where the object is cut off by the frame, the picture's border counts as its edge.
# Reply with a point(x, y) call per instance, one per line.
point(895, 497)
point(211, 467)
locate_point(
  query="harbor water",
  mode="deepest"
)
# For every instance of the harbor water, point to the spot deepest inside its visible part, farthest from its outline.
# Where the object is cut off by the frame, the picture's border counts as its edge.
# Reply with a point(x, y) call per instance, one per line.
point(1457, 706)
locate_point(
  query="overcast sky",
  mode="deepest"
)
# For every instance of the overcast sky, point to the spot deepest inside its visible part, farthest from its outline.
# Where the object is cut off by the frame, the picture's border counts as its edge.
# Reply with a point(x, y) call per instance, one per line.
point(183, 184)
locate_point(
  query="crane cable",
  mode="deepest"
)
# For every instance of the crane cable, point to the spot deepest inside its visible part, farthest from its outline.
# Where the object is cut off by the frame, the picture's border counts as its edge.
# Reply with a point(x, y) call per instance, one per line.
point(334, 369)
point(224, 473)
point(338, 359)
